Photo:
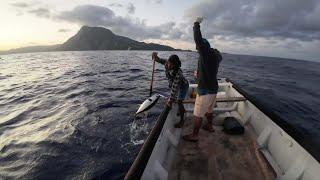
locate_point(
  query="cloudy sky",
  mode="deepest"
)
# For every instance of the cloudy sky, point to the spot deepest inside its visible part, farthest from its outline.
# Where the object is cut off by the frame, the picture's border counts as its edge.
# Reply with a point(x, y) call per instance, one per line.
point(280, 28)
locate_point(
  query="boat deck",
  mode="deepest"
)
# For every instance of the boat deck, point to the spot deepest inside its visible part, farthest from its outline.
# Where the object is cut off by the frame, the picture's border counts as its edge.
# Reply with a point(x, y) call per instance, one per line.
point(218, 155)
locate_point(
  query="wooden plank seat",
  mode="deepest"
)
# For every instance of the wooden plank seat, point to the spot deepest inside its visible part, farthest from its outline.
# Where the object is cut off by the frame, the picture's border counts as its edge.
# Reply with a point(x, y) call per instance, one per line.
point(220, 99)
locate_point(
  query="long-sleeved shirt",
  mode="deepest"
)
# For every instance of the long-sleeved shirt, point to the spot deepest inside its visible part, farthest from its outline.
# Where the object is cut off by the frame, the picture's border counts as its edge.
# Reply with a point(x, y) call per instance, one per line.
point(208, 63)
point(175, 78)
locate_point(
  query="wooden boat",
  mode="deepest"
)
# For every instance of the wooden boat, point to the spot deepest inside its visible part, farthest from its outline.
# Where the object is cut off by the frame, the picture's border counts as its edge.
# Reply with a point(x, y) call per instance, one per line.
point(269, 148)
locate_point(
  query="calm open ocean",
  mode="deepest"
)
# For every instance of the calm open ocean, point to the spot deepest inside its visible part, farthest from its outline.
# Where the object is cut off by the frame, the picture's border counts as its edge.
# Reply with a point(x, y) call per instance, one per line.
point(69, 115)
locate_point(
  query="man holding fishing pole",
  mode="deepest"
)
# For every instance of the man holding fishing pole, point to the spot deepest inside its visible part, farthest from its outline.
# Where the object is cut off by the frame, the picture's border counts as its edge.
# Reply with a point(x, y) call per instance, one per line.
point(178, 84)
point(208, 64)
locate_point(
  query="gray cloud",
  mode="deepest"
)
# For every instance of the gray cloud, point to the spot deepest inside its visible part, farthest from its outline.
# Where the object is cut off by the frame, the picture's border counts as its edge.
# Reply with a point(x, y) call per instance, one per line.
point(131, 9)
point(41, 12)
point(63, 30)
point(20, 4)
point(102, 16)
point(155, 1)
point(265, 18)
point(118, 5)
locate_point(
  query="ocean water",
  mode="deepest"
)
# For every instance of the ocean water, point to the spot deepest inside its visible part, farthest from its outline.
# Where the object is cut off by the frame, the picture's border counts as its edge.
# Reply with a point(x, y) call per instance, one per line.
point(70, 115)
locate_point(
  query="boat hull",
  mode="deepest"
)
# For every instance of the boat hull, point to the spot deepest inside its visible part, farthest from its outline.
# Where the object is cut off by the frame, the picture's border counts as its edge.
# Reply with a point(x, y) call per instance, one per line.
point(284, 156)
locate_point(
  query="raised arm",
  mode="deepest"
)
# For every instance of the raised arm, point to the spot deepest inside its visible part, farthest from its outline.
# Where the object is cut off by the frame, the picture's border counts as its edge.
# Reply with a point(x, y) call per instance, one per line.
point(197, 35)
point(157, 59)
point(161, 61)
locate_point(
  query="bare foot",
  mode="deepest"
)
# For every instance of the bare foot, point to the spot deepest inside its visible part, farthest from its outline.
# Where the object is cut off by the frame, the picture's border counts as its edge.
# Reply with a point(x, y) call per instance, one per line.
point(190, 137)
point(208, 127)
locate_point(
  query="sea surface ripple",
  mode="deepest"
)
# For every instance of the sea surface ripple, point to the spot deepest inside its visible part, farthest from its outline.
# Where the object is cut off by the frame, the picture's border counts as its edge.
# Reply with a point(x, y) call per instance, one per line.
point(69, 115)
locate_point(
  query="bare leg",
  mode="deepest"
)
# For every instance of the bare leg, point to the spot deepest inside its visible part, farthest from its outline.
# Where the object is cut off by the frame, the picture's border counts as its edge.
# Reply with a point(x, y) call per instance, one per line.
point(181, 112)
point(194, 135)
point(209, 115)
point(208, 125)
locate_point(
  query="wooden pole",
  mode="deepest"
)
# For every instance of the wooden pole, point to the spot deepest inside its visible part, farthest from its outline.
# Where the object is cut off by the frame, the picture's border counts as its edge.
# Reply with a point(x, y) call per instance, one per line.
point(151, 84)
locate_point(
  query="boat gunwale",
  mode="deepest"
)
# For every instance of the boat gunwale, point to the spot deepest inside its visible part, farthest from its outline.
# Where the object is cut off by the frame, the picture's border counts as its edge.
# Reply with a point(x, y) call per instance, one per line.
point(284, 125)
point(139, 164)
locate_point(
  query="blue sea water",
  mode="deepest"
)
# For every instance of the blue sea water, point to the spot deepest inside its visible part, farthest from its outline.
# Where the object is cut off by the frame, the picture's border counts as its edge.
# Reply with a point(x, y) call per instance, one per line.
point(69, 115)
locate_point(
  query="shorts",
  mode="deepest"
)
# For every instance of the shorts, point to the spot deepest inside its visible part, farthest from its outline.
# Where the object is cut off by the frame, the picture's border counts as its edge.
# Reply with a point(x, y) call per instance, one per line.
point(182, 93)
point(204, 104)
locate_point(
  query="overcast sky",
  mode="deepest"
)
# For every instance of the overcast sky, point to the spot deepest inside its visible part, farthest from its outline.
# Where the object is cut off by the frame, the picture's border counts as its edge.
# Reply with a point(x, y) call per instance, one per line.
point(280, 28)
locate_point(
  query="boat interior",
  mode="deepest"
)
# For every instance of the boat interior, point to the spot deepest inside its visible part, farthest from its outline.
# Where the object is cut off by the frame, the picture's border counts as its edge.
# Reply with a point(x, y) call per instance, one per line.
point(264, 151)
point(218, 155)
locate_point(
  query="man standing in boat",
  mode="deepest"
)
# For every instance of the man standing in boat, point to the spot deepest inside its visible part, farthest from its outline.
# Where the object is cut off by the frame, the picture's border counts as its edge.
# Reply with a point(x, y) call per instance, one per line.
point(208, 64)
point(177, 82)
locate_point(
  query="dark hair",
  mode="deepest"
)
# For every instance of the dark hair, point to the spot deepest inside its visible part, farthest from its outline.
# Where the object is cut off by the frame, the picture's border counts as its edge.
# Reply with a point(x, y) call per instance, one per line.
point(174, 59)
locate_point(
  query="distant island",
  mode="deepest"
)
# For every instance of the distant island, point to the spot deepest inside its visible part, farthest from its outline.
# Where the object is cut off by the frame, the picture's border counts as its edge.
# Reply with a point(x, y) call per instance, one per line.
point(94, 38)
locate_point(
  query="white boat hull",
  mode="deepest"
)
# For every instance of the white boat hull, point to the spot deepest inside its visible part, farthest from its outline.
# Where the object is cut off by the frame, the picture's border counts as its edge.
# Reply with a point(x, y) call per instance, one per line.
point(288, 159)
